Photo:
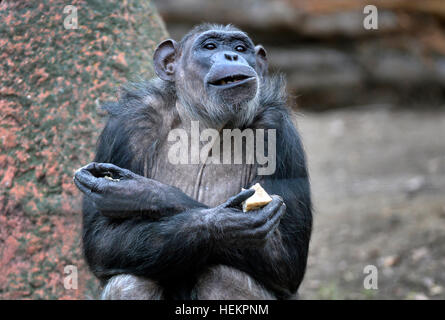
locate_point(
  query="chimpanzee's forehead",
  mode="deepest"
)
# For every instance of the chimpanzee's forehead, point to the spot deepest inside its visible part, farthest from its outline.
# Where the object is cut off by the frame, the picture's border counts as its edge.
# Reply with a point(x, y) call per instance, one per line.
point(223, 35)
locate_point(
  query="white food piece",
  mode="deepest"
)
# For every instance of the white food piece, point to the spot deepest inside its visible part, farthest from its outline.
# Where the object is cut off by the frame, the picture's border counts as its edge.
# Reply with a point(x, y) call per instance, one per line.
point(258, 200)
point(111, 179)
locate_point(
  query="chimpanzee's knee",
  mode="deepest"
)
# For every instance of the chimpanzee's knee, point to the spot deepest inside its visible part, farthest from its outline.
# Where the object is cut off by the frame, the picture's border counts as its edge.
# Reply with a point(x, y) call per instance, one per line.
point(129, 287)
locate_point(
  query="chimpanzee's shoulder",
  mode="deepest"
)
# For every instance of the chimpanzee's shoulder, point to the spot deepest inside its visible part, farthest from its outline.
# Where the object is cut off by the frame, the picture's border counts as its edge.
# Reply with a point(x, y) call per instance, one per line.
point(273, 110)
point(134, 124)
point(142, 98)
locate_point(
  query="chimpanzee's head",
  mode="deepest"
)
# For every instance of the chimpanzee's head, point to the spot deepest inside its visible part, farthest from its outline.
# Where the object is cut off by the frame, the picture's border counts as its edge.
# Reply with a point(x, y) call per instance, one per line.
point(217, 71)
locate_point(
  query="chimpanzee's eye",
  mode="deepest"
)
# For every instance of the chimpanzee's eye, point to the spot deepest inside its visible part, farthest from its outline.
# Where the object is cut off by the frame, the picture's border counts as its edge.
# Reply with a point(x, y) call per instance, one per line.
point(240, 48)
point(210, 46)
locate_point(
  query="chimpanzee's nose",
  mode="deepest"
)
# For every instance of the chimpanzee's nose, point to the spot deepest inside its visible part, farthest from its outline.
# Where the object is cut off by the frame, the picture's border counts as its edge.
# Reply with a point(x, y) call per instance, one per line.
point(231, 56)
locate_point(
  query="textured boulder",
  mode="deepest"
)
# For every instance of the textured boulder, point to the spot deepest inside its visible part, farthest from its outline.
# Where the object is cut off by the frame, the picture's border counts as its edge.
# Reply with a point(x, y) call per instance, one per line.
point(51, 81)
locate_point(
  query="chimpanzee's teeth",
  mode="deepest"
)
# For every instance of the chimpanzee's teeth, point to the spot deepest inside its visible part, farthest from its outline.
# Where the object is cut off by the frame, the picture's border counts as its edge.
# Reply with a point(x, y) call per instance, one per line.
point(228, 81)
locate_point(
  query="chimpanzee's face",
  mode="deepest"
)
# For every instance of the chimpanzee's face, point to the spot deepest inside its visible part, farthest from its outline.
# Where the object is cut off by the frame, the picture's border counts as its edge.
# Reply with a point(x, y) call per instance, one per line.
point(217, 75)
point(223, 64)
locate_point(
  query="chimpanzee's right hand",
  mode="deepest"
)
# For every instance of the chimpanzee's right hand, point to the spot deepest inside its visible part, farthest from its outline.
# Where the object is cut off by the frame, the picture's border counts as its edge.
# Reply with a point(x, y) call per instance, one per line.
point(230, 226)
point(116, 191)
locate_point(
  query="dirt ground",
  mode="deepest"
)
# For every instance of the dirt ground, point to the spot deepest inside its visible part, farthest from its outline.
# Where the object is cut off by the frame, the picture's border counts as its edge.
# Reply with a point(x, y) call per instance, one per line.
point(378, 183)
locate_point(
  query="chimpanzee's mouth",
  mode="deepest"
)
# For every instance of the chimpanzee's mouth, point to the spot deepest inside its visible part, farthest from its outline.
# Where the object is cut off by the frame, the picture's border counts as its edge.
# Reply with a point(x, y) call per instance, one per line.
point(230, 80)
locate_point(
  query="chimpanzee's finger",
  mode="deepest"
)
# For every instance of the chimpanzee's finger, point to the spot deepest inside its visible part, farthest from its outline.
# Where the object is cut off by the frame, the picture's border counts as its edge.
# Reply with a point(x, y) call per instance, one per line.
point(85, 176)
point(239, 198)
point(82, 187)
point(261, 231)
point(277, 219)
point(117, 171)
point(89, 167)
point(265, 213)
point(93, 169)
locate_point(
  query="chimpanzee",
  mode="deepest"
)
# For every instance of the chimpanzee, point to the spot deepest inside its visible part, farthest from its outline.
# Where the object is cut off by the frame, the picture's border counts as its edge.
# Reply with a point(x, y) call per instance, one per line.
point(160, 229)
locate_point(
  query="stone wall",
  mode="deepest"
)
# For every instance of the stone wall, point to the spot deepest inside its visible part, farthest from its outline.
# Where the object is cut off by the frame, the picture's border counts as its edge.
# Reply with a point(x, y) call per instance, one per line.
point(51, 81)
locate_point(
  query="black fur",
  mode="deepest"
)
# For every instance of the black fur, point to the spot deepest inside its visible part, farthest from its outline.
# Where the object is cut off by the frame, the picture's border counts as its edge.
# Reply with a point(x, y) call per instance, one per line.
point(166, 250)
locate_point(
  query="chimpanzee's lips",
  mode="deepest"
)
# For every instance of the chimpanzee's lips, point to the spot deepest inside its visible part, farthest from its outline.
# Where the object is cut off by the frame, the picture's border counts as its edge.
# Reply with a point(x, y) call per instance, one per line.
point(230, 75)
point(228, 81)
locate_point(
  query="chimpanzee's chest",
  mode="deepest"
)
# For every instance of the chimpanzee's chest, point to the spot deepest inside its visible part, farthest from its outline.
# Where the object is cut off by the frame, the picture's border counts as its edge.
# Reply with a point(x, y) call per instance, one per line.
point(210, 183)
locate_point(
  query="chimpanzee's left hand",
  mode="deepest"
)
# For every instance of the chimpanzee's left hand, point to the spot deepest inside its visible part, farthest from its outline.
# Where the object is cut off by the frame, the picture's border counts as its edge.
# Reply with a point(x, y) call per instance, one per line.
point(116, 191)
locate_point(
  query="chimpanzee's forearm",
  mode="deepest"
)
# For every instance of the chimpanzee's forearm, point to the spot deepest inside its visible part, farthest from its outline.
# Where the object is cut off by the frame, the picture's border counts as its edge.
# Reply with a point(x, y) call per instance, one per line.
point(159, 201)
point(155, 249)
point(169, 199)
point(176, 244)
point(278, 265)
point(281, 262)
point(120, 193)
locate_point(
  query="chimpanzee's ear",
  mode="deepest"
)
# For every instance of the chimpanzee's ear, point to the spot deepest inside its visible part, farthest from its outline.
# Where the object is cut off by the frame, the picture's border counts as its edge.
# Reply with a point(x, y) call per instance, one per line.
point(261, 60)
point(164, 59)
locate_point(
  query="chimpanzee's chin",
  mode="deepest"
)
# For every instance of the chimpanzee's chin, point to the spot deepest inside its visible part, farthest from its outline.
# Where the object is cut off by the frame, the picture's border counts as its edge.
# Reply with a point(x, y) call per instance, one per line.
point(237, 102)
point(236, 95)
point(240, 99)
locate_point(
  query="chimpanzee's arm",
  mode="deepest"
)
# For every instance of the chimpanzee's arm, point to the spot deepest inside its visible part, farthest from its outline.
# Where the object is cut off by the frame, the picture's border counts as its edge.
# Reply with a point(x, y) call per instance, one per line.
point(138, 246)
point(143, 247)
point(280, 263)
point(129, 194)
point(172, 245)
point(120, 193)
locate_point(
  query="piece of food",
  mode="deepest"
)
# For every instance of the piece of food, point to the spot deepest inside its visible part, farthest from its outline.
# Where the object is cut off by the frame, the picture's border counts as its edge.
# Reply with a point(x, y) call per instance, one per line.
point(259, 199)
point(111, 179)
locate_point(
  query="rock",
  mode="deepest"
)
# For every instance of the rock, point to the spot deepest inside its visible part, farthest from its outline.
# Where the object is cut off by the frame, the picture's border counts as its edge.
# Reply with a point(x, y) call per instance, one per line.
point(436, 290)
point(48, 127)
point(419, 254)
point(414, 185)
point(390, 261)
point(420, 296)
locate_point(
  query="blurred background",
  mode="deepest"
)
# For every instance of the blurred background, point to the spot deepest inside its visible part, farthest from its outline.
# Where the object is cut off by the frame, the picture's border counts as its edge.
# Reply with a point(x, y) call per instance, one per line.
point(370, 106)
